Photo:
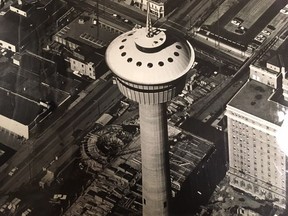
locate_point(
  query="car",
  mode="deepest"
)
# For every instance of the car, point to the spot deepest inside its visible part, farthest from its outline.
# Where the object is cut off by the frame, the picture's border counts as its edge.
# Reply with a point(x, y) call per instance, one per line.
point(26, 212)
point(241, 30)
point(116, 15)
point(253, 45)
point(11, 173)
point(127, 21)
point(272, 28)
point(266, 32)
point(284, 11)
point(236, 21)
point(260, 38)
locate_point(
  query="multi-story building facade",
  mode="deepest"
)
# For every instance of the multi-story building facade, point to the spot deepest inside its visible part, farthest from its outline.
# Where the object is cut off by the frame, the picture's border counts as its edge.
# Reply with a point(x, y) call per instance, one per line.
point(85, 60)
point(255, 115)
point(157, 7)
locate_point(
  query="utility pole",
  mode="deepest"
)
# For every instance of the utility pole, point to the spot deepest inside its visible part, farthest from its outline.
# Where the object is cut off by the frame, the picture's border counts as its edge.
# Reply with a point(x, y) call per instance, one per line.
point(96, 16)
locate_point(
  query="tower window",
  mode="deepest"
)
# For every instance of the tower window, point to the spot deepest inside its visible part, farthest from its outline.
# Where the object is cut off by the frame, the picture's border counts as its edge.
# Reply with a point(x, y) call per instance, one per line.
point(139, 63)
point(176, 53)
point(129, 60)
point(160, 63)
point(121, 47)
point(170, 60)
point(149, 65)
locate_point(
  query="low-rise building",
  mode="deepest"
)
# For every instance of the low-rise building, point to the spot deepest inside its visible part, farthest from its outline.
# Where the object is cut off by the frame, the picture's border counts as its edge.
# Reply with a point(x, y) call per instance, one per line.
point(82, 30)
point(25, 22)
point(85, 61)
point(157, 7)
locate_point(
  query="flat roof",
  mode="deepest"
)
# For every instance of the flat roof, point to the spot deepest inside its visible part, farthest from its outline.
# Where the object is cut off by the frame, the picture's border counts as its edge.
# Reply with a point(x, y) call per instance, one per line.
point(86, 33)
point(159, 1)
point(90, 54)
point(24, 6)
point(254, 99)
point(18, 108)
point(37, 64)
point(18, 28)
point(44, 85)
point(13, 32)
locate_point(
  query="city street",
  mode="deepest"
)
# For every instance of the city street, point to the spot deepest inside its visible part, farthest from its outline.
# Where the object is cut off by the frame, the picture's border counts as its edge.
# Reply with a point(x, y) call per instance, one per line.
point(40, 152)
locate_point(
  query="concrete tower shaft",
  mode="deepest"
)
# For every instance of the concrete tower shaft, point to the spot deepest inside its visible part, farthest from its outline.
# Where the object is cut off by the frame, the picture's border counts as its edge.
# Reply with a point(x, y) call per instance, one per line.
point(150, 67)
point(156, 185)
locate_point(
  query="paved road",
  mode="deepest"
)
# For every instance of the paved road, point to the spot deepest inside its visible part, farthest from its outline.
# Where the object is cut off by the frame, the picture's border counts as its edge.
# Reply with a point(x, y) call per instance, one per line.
point(58, 137)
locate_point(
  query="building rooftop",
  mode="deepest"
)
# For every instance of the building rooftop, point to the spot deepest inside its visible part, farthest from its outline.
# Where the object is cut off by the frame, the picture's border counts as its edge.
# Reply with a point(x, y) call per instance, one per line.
point(159, 1)
point(23, 7)
point(276, 55)
point(278, 60)
point(86, 32)
point(89, 54)
point(18, 108)
point(255, 99)
point(37, 65)
point(18, 28)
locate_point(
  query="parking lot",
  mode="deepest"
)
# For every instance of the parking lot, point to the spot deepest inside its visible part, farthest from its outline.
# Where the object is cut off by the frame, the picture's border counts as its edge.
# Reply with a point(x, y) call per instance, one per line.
point(252, 11)
point(252, 16)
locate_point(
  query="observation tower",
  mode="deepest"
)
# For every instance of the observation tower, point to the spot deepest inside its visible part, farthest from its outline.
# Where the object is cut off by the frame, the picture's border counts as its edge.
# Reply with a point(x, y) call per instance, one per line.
point(150, 67)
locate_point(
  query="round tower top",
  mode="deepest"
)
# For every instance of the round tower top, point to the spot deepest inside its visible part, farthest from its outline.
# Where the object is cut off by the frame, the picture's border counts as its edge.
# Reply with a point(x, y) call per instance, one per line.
point(150, 60)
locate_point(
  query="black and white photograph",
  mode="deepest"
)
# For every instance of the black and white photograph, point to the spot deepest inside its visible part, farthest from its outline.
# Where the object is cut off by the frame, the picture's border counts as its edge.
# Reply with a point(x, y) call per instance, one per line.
point(143, 107)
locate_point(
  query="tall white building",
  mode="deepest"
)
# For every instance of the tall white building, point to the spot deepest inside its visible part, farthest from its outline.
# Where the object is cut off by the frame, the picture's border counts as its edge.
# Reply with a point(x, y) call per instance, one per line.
point(150, 67)
point(257, 160)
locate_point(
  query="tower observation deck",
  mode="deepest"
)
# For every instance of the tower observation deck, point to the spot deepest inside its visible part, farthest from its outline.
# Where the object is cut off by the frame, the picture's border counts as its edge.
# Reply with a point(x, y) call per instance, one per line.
point(150, 67)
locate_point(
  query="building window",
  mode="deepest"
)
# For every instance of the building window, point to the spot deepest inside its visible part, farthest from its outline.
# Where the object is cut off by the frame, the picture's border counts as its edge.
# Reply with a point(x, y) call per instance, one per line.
point(144, 201)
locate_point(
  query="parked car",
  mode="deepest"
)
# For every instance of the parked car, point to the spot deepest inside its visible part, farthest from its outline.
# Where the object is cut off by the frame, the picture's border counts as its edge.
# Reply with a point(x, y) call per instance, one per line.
point(240, 30)
point(284, 11)
point(11, 173)
point(236, 21)
point(260, 38)
point(266, 32)
point(272, 28)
